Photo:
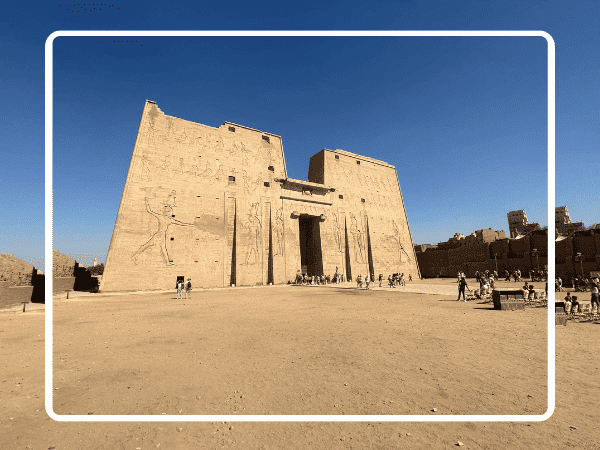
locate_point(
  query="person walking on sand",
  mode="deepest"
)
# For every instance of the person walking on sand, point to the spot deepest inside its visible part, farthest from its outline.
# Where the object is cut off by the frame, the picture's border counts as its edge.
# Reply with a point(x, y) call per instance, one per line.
point(409, 277)
point(462, 284)
point(188, 288)
point(179, 288)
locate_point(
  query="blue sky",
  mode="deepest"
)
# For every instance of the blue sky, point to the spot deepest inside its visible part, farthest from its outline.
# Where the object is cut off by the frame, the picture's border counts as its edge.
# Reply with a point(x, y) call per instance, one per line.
point(462, 119)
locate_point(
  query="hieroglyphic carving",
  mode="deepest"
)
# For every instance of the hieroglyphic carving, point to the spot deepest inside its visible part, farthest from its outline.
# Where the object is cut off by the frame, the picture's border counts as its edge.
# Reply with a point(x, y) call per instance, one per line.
point(246, 183)
point(278, 233)
point(159, 238)
point(266, 152)
point(145, 169)
point(220, 175)
point(258, 182)
point(207, 172)
point(180, 168)
point(357, 238)
point(337, 232)
point(218, 144)
point(399, 240)
point(254, 227)
point(183, 138)
point(165, 168)
point(193, 172)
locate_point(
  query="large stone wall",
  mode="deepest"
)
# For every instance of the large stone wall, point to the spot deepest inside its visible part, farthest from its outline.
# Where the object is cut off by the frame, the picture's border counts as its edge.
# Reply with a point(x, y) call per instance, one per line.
point(215, 205)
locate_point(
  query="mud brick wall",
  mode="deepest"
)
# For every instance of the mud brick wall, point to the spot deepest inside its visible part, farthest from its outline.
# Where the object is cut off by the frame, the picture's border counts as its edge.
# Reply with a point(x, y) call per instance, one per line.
point(14, 295)
point(564, 250)
point(500, 248)
point(473, 252)
point(62, 284)
point(540, 243)
point(586, 245)
point(215, 205)
point(519, 248)
point(433, 262)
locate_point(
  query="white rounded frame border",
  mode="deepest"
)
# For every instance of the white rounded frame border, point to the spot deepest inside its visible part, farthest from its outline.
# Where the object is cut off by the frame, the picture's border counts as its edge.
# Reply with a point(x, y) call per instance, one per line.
point(296, 418)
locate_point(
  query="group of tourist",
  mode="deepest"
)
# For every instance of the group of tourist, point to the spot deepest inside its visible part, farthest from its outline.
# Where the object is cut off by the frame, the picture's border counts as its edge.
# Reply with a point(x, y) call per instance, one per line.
point(368, 281)
point(395, 279)
point(187, 286)
point(316, 279)
point(572, 305)
point(583, 284)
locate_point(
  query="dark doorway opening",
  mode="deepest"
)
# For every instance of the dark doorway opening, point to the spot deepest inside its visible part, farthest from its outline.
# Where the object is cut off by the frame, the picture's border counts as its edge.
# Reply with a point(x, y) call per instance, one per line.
point(310, 245)
point(180, 278)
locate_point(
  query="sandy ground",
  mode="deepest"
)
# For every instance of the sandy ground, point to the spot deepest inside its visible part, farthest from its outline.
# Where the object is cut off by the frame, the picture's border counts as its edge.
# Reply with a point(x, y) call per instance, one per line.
point(295, 350)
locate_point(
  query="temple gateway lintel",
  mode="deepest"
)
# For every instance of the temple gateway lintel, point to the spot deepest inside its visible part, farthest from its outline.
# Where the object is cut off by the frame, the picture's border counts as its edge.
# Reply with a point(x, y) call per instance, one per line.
point(306, 200)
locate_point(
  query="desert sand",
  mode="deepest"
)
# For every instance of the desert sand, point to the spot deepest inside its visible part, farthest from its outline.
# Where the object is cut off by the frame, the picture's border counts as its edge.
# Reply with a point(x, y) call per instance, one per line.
point(296, 350)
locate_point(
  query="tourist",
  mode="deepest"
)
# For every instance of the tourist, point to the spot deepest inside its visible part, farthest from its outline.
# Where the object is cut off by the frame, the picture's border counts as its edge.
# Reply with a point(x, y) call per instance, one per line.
point(402, 282)
point(477, 275)
point(595, 300)
point(568, 303)
point(409, 277)
point(188, 288)
point(462, 284)
point(367, 281)
point(179, 288)
point(390, 281)
point(359, 281)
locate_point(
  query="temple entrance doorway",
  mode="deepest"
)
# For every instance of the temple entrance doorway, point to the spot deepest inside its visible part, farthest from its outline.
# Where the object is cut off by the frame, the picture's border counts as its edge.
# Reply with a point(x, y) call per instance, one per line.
point(310, 245)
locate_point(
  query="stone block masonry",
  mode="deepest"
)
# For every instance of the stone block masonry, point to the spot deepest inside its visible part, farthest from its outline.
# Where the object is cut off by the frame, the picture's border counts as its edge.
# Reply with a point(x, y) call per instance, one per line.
point(216, 205)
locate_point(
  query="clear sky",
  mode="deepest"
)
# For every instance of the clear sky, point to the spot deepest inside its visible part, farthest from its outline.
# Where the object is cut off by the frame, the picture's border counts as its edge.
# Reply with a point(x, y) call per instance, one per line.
point(464, 120)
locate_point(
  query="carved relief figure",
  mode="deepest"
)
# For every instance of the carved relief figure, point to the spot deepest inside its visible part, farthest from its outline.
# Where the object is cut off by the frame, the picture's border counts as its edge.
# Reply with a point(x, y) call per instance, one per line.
point(357, 238)
point(220, 173)
point(258, 182)
point(183, 138)
point(278, 227)
point(151, 132)
point(145, 169)
point(253, 226)
point(180, 169)
point(159, 238)
point(152, 116)
point(246, 183)
point(165, 167)
point(266, 151)
point(207, 172)
point(193, 172)
point(218, 143)
point(398, 240)
point(337, 232)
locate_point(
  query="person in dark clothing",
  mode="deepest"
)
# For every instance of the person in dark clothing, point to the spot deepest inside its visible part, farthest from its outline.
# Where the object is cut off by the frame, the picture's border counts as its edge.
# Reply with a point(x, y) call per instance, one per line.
point(462, 284)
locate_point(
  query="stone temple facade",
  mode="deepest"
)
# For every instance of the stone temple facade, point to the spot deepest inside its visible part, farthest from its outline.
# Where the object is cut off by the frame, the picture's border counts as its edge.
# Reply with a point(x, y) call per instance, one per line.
point(216, 205)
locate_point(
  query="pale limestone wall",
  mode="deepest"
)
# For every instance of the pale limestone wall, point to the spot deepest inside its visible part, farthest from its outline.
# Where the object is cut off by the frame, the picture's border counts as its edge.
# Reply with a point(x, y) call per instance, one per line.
point(178, 207)
point(181, 215)
point(382, 210)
